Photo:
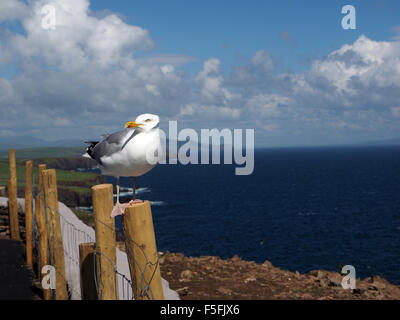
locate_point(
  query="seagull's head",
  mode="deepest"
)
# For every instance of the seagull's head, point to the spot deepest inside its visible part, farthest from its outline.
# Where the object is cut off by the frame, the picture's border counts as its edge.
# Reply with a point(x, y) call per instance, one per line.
point(144, 122)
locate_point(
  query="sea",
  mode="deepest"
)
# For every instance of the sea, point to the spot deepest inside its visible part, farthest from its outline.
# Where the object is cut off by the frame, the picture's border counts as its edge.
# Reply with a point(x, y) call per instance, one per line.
point(302, 209)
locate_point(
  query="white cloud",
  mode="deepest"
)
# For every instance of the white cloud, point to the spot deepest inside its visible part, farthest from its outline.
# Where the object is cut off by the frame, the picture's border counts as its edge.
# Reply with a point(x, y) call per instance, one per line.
point(357, 75)
point(167, 69)
point(152, 89)
point(87, 75)
point(267, 105)
point(85, 71)
point(263, 60)
point(210, 66)
point(176, 60)
point(211, 84)
point(12, 10)
point(256, 73)
point(79, 40)
point(209, 112)
point(209, 79)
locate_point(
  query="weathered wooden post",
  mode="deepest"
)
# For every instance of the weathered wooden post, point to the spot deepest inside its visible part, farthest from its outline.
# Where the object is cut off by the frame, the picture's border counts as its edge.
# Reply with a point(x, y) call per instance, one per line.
point(142, 252)
point(87, 274)
point(56, 241)
point(43, 247)
point(13, 165)
point(28, 214)
point(42, 229)
point(2, 191)
point(12, 198)
point(41, 168)
point(105, 241)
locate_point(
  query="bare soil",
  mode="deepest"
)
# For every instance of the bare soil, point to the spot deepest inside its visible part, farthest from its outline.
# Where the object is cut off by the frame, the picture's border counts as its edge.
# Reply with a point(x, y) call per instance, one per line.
point(210, 277)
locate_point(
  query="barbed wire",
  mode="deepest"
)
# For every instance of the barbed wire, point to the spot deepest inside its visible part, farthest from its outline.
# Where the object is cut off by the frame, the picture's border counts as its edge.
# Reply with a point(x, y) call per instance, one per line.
point(71, 251)
point(71, 237)
point(71, 248)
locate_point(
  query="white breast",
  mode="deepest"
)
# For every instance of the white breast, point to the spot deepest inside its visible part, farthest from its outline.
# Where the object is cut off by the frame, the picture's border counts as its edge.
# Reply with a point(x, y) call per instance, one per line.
point(136, 158)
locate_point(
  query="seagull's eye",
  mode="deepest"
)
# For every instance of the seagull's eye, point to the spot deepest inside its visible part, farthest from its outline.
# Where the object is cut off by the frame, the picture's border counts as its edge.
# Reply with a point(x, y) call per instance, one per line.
point(147, 120)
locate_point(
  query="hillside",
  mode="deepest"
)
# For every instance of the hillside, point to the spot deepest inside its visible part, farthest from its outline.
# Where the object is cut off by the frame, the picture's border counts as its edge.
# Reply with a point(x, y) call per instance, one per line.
point(45, 152)
point(73, 187)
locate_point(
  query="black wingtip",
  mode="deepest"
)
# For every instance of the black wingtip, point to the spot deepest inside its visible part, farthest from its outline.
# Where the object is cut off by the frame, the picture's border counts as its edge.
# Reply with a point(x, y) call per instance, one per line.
point(89, 149)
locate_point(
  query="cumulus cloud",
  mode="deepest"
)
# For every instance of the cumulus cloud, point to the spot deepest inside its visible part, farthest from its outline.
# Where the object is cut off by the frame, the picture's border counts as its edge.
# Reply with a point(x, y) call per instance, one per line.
point(209, 112)
point(263, 60)
point(84, 73)
point(256, 74)
point(267, 105)
point(365, 74)
point(166, 60)
point(79, 40)
point(211, 83)
point(12, 10)
point(86, 76)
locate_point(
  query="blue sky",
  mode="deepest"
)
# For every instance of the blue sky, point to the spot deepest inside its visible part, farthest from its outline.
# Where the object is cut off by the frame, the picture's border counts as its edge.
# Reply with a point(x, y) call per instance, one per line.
point(230, 29)
point(284, 68)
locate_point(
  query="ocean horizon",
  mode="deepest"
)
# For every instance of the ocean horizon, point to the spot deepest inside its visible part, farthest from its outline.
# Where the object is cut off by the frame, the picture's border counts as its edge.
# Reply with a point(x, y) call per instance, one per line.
point(302, 209)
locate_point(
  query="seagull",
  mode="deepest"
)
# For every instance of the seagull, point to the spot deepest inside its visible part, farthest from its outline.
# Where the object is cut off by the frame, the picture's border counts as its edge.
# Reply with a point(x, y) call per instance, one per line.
point(131, 152)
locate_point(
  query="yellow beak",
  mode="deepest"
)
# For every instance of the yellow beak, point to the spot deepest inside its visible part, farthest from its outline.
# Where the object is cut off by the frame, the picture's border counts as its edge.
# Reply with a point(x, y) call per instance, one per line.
point(132, 124)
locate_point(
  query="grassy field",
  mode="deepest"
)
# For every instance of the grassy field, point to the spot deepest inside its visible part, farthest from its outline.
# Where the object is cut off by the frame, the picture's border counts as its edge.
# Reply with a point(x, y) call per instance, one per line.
point(64, 177)
point(69, 182)
point(48, 152)
point(74, 188)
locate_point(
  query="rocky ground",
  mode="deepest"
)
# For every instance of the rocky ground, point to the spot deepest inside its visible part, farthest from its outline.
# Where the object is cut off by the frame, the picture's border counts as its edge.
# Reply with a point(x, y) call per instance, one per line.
point(211, 277)
point(214, 278)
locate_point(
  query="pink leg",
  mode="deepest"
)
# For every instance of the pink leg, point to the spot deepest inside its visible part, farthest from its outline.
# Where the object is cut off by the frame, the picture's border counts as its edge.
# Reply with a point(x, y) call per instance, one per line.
point(119, 208)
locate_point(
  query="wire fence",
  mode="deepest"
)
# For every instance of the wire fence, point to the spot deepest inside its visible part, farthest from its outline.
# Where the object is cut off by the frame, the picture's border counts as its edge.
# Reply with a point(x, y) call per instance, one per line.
point(68, 242)
point(72, 236)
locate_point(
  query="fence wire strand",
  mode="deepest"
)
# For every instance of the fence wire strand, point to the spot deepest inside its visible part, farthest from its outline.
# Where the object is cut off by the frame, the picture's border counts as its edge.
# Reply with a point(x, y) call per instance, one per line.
point(71, 237)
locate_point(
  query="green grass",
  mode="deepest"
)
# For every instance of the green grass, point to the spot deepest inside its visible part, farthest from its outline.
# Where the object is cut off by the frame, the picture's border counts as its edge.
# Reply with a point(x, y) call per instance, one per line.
point(79, 190)
point(86, 217)
point(45, 152)
point(78, 182)
point(64, 177)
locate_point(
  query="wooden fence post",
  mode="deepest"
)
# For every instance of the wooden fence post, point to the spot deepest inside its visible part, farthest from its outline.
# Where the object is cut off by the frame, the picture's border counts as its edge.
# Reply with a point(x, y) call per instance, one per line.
point(41, 168)
point(145, 271)
point(105, 241)
point(42, 230)
point(41, 221)
point(13, 165)
point(12, 198)
point(55, 236)
point(28, 214)
point(87, 274)
point(43, 260)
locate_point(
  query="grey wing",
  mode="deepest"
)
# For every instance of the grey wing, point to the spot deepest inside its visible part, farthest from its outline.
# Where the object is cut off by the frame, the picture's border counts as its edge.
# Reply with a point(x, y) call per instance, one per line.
point(113, 143)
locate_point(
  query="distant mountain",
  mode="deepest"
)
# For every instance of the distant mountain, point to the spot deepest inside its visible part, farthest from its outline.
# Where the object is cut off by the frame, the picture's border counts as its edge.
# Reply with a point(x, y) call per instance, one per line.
point(387, 142)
